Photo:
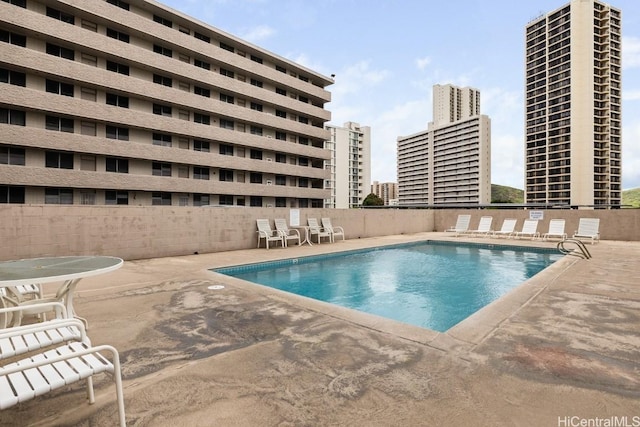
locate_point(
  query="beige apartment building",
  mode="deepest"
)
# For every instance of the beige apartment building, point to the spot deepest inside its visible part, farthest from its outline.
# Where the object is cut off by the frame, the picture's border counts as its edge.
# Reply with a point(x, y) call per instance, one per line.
point(350, 165)
point(450, 162)
point(573, 106)
point(115, 102)
point(387, 191)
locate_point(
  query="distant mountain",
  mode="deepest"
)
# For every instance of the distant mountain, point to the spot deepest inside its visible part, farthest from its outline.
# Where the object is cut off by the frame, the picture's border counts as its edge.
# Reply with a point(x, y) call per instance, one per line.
point(631, 197)
point(504, 194)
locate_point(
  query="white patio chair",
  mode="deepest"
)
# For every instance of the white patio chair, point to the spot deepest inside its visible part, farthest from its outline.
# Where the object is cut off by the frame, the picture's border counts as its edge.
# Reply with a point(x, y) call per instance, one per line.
point(45, 368)
point(286, 232)
point(316, 230)
point(588, 228)
point(332, 229)
point(484, 227)
point(268, 234)
point(507, 229)
point(462, 225)
point(556, 229)
point(529, 228)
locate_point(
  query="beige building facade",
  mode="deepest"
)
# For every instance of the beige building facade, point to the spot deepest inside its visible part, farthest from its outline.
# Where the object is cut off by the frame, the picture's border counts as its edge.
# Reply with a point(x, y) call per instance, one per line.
point(350, 165)
point(387, 191)
point(573, 106)
point(450, 162)
point(114, 102)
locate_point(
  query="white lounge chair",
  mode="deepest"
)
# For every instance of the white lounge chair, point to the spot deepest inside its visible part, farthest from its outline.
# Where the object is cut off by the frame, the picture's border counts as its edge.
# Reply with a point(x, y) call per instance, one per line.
point(316, 230)
point(484, 227)
point(462, 225)
point(286, 232)
point(556, 229)
point(332, 229)
point(48, 368)
point(507, 229)
point(588, 228)
point(529, 228)
point(268, 234)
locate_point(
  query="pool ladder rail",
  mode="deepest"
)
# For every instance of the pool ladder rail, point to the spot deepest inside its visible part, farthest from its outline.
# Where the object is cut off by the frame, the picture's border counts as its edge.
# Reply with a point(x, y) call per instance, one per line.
point(580, 251)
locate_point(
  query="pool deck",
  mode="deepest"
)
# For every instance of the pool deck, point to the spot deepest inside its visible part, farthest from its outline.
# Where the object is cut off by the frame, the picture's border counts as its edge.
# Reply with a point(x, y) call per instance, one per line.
point(561, 348)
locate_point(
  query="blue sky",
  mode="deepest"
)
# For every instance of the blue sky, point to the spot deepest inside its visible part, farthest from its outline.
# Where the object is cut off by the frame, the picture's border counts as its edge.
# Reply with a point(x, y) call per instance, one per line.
point(387, 55)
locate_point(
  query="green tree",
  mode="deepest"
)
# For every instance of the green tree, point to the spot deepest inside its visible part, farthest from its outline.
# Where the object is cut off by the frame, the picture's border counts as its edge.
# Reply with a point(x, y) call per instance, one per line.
point(372, 200)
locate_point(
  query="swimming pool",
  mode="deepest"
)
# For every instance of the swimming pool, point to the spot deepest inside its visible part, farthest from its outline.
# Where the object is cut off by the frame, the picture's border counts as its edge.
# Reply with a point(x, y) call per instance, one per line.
point(433, 285)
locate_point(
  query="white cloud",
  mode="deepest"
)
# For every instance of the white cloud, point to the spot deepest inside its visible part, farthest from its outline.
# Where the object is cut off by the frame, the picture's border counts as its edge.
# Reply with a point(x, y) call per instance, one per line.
point(422, 63)
point(630, 52)
point(631, 96)
point(258, 34)
point(631, 156)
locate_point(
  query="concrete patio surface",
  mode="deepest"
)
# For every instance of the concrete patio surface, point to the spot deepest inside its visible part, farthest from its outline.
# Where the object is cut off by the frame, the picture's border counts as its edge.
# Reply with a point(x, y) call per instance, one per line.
point(561, 348)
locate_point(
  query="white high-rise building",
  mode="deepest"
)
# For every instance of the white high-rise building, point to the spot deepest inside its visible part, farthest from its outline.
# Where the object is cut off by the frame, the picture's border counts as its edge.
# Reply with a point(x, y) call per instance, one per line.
point(573, 106)
point(350, 165)
point(450, 162)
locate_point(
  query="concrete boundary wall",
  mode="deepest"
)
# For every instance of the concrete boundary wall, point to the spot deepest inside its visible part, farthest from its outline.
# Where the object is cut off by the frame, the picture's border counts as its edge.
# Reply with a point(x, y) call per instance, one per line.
point(138, 232)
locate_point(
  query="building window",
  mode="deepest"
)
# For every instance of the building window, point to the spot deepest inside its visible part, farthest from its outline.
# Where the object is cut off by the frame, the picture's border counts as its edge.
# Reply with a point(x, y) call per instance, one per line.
point(117, 100)
point(20, 3)
point(282, 136)
point(256, 154)
point(118, 68)
point(183, 171)
point(226, 72)
point(281, 202)
point(303, 119)
point(201, 91)
point(281, 91)
point(161, 139)
point(164, 21)
point(13, 77)
point(13, 38)
point(60, 88)
point(226, 98)
point(281, 158)
point(200, 173)
point(201, 200)
point(255, 178)
point(255, 201)
point(121, 4)
point(257, 83)
point(116, 197)
point(12, 117)
point(114, 132)
point(114, 164)
point(58, 160)
point(303, 99)
point(226, 200)
point(199, 145)
point(10, 194)
point(226, 150)
point(12, 156)
point(163, 50)
point(87, 163)
point(123, 37)
point(61, 52)
point(202, 37)
point(88, 128)
point(58, 196)
point(256, 106)
point(162, 80)
point(281, 69)
point(162, 110)
point(226, 175)
point(256, 59)
point(280, 113)
point(255, 130)
point(59, 123)
point(160, 198)
point(204, 119)
point(226, 124)
point(161, 169)
point(281, 180)
point(303, 182)
point(202, 64)
point(227, 47)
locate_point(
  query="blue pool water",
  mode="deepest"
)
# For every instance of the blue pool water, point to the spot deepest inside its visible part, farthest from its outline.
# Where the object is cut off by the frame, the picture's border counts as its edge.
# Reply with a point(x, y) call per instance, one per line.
point(431, 285)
